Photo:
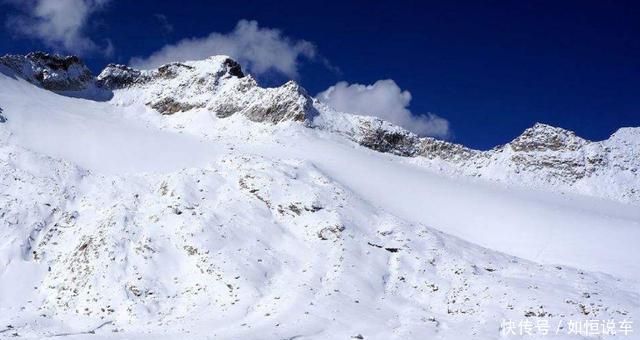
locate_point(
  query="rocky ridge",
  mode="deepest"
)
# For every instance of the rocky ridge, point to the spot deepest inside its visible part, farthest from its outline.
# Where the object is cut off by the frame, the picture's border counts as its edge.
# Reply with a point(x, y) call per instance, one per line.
point(50, 71)
point(542, 156)
point(216, 84)
point(551, 157)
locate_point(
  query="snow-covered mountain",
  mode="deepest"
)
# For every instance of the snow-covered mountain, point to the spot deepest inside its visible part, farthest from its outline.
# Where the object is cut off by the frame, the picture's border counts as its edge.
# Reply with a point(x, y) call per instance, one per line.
point(543, 156)
point(190, 201)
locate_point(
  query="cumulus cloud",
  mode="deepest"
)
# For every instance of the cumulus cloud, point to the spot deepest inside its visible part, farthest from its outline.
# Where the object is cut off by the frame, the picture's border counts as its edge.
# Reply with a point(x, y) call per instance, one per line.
point(386, 100)
point(257, 48)
point(59, 24)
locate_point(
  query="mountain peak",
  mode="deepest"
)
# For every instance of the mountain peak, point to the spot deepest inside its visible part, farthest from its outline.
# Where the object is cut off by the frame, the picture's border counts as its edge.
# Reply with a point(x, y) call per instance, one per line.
point(50, 71)
point(54, 61)
point(544, 137)
point(116, 76)
point(629, 135)
point(216, 83)
point(233, 67)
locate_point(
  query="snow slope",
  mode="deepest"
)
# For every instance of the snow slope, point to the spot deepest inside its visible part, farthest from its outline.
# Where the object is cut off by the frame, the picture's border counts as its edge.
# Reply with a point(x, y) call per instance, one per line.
point(126, 223)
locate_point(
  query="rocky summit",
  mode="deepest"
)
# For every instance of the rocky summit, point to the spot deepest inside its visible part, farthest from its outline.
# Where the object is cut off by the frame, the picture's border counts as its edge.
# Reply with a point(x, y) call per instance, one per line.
point(51, 71)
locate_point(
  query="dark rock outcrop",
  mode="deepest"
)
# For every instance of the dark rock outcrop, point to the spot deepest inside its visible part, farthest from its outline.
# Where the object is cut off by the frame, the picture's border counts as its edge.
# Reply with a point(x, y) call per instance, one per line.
point(383, 137)
point(233, 68)
point(50, 71)
point(396, 141)
point(169, 106)
point(116, 76)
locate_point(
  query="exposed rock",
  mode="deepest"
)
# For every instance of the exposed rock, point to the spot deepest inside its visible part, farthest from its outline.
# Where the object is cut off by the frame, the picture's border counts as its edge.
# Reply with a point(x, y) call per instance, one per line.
point(382, 136)
point(216, 83)
point(543, 156)
point(542, 137)
point(116, 76)
point(233, 68)
point(377, 136)
point(168, 106)
point(50, 71)
point(437, 149)
point(567, 170)
point(288, 102)
point(170, 71)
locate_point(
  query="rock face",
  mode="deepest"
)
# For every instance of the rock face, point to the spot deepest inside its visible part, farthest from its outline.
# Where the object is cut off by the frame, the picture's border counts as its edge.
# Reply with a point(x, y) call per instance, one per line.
point(378, 135)
point(287, 102)
point(432, 148)
point(216, 84)
point(233, 68)
point(382, 136)
point(559, 153)
point(50, 71)
point(543, 137)
point(116, 76)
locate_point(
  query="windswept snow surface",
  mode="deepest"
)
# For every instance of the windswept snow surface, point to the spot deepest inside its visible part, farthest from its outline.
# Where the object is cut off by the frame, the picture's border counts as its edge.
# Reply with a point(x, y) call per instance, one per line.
point(93, 135)
point(124, 223)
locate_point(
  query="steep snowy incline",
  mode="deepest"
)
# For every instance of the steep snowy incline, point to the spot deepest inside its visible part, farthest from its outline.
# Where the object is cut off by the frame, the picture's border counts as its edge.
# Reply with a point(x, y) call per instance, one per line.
point(91, 134)
point(250, 247)
point(539, 226)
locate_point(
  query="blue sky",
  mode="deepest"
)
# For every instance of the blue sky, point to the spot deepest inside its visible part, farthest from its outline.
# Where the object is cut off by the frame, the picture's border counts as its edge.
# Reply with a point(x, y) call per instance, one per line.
point(476, 72)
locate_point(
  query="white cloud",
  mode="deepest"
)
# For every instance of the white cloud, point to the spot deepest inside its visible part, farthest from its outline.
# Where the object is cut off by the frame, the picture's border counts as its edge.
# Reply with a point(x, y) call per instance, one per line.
point(257, 48)
point(58, 23)
point(164, 23)
point(384, 99)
